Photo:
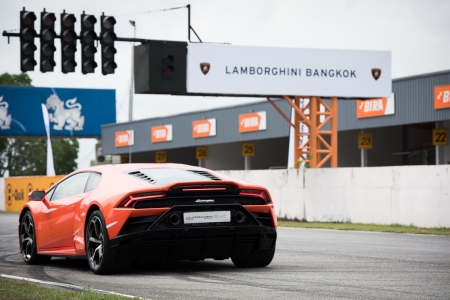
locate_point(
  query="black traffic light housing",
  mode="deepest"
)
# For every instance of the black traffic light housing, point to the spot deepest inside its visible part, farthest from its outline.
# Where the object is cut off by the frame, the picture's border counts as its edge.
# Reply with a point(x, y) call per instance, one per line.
point(88, 50)
point(107, 38)
point(160, 68)
point(47, 61)
point(68, 43)
point(27, 45)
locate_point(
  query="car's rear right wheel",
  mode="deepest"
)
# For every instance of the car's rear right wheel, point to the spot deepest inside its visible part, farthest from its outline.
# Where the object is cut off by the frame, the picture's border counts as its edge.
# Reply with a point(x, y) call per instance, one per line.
point(258, 259)
point(100, 259)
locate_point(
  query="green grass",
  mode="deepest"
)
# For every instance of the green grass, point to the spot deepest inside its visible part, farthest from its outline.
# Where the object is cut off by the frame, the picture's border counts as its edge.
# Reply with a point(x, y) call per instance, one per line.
point(21, 289)
point(365, 227)
point(9, 212)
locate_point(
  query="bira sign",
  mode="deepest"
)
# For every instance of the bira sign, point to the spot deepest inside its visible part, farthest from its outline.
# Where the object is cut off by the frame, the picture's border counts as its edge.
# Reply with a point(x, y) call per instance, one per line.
point(244, 70)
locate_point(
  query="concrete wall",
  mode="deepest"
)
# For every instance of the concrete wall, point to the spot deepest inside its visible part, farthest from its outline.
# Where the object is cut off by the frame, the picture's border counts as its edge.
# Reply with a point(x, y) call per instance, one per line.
point(417, 195)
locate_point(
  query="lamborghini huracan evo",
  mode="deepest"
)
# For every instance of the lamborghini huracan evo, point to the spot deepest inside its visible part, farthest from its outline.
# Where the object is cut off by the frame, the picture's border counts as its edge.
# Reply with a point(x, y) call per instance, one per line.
point(114, 214)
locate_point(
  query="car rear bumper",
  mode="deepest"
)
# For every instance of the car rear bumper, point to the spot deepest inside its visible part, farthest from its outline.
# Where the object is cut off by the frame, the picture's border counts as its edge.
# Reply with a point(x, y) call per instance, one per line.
point(162, 241)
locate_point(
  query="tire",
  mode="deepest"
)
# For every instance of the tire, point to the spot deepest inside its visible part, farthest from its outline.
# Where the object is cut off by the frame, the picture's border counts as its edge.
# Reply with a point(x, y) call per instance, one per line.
point(27, 237)
point(258, 259)
point(99, 256)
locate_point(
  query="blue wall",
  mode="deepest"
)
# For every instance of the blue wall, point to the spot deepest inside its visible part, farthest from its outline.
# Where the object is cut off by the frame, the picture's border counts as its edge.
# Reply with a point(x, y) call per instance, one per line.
point(72, 112)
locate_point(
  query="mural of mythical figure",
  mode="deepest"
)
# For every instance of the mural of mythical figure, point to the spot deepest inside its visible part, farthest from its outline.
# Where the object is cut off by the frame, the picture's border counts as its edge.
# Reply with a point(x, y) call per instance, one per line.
point(61, 115)
point(5, 119)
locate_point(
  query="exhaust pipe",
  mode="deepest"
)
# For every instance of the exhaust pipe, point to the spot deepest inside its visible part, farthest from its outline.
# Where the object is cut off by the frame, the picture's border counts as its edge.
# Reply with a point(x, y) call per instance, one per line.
point(175, 219)
point(239, 217)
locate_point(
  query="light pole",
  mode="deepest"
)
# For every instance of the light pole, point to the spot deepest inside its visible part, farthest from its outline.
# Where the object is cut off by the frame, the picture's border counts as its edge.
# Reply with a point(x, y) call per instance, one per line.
point(130, 107)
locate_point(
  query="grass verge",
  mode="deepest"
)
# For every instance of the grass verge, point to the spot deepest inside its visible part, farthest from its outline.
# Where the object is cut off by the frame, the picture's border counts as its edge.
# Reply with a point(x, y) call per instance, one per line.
point(9, 212)
point(21, 289)
point(365, 227)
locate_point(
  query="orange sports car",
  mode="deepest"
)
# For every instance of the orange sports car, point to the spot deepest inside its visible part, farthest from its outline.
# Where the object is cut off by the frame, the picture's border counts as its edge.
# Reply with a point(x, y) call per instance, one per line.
point(114, 214)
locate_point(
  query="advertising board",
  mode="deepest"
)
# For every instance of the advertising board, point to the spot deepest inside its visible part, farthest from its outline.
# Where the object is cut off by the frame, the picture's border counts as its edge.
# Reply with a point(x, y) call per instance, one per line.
point(245, 70)
point(375, 107)
point(17, 189)
point(162, 133)
point(203, 128)
point(252, 121)
point(72, 112)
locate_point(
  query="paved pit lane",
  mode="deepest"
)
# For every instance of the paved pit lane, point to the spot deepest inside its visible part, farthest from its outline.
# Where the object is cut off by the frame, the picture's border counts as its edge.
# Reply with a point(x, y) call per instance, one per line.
point(308, 264)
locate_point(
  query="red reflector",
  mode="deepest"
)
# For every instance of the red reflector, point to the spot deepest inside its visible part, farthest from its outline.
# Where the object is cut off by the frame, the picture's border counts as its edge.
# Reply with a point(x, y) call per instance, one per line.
point(256, 193)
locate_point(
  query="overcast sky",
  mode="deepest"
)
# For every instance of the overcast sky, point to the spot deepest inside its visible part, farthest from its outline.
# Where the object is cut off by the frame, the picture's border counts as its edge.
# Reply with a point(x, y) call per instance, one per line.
point(417, 33)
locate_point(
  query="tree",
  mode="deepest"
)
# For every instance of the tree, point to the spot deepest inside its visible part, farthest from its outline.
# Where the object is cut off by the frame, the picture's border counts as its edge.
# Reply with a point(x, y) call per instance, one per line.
point(26, 156)
point(15, 80)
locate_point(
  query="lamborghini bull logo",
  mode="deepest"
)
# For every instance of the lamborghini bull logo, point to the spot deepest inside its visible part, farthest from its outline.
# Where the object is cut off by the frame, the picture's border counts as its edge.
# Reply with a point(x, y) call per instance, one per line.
point(61, 115)
point(5, 119)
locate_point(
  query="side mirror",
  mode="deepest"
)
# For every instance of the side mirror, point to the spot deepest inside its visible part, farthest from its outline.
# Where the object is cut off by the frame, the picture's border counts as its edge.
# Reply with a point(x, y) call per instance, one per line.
point(36, 195)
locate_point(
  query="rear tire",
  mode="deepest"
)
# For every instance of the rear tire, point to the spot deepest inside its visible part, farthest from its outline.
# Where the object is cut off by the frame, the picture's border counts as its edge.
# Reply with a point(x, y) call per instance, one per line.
point(27, 238)
point(258, 259)
point(99, 255)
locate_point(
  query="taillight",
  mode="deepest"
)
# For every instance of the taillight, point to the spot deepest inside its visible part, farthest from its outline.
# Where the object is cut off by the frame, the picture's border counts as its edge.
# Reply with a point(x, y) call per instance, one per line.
point(131, 200)
point(256, 193)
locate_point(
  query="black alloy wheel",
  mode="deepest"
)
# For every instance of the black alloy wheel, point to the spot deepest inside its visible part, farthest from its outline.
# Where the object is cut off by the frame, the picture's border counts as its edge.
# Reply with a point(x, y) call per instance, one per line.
point(28, 241)
point(99, 256)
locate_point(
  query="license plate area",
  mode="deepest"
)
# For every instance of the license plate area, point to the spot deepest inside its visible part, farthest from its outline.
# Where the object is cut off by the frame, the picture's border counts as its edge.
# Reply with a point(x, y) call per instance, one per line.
point(206, 217)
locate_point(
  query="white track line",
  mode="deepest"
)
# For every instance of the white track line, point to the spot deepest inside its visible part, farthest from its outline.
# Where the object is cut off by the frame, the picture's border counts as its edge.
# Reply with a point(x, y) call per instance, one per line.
point(65, 285)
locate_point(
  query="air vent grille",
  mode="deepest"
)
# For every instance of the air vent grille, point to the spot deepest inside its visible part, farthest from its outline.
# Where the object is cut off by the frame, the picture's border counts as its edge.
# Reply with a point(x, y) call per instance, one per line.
point(204, 174)
point(142, 176)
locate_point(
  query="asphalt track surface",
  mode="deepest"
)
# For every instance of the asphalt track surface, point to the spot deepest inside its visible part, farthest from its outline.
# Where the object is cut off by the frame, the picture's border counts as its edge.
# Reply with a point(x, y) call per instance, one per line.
point(308, 264)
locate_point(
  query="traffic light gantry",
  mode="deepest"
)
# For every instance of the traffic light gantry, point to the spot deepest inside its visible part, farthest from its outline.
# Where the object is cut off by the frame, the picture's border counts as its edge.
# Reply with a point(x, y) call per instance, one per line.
point(69, 37)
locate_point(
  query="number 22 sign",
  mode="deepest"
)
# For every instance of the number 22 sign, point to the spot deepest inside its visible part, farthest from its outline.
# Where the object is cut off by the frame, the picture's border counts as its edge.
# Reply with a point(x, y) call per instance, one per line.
point(440, 137)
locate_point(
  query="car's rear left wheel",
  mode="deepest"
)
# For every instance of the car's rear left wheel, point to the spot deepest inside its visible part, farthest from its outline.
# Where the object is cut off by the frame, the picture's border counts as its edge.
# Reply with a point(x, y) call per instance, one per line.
point(99, 255)
point(28, 241)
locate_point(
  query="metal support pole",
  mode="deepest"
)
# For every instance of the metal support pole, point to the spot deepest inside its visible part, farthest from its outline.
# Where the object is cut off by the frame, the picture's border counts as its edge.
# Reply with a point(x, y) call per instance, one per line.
point(201, 163)
point(247, 162)
point(437, 126)
point(314, 159)
point(364, 156)
point(189, 22)
point(334, 132)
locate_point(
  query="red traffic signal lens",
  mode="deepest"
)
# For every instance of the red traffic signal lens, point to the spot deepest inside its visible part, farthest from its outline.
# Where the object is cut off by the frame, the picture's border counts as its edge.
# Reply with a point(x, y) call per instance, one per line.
point(69, 20)
point(28, 18)
point(48, 19)
point(168, 70)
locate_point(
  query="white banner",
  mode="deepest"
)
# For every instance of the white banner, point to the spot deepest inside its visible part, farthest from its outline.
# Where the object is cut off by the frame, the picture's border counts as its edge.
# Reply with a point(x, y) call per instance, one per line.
point(245, 70)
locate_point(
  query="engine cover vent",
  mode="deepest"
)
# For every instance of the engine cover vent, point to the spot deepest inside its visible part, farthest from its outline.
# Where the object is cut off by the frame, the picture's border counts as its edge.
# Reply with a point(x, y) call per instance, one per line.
point(204, 174)
point(142, 176)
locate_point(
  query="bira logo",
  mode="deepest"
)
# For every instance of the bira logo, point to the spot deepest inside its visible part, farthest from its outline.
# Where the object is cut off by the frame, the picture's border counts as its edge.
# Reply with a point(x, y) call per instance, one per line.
point(376, 73)
point(69, 118)
point(161, 133)
point(124, 138)
point(204, 66)
point(442, 97)
point(203, 128)
point(375, 107)
point(252, 121)
point(5, 118)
